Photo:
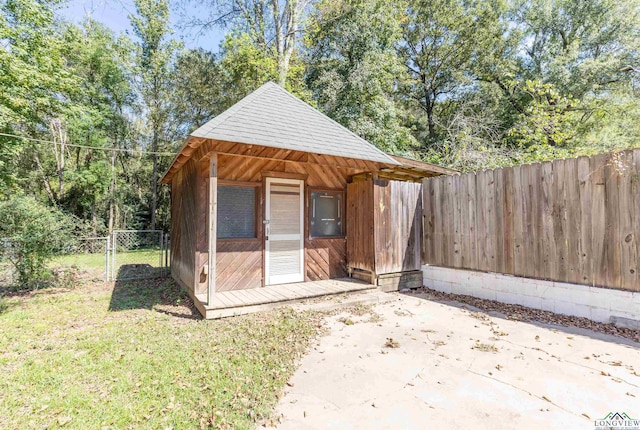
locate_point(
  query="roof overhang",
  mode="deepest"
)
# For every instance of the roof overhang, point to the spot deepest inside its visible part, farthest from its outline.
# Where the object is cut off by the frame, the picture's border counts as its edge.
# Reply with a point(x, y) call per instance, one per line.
point(412, 170)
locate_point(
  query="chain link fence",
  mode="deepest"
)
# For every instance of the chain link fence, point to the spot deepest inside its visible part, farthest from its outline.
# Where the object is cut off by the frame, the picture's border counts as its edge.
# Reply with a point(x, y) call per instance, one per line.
point(7, 252)
point(138, 254)
point(123, 255)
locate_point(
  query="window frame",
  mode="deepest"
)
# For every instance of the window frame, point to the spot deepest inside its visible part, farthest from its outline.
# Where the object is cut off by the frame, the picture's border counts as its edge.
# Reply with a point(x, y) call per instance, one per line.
point(340, 191)
point(257, 210)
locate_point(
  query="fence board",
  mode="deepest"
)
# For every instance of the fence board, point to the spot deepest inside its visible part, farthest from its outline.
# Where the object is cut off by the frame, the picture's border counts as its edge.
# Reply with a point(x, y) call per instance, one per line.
point(586, 246)
point(628, 256)
point(483, 246)
point(612, 276)
point(438, 223)
point(598, 219)
point(560, 219)
point(427, 221)
point(472, 258)
point(635, 192)
point(518, 223)
point(547, 239)
point(507, 214)
point(498, 224)
point(457, 220)
point(575, 220)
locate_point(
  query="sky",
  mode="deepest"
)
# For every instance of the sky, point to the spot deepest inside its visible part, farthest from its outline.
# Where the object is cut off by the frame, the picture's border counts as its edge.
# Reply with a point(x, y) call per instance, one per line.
point(114, 14)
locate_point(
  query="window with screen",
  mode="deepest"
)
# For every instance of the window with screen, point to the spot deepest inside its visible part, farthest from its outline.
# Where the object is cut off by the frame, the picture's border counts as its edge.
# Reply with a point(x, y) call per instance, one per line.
point(326, 214)
point(236, 212)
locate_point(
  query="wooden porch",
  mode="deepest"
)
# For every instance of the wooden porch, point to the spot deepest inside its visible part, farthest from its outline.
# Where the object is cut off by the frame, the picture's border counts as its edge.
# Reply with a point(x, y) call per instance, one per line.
point(239, 302)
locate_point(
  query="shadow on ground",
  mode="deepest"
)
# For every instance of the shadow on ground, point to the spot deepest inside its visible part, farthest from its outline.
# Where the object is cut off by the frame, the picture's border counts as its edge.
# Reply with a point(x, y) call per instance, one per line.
point(161, 294)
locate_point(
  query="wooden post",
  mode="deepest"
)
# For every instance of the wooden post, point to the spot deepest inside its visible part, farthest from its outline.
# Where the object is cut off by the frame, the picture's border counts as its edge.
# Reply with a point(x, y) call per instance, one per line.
point(213, 217)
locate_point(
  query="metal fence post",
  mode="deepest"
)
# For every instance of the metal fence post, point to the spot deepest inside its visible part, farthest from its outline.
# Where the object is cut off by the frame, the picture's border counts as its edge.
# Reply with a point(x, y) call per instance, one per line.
point(106, 258)
point(166, 250)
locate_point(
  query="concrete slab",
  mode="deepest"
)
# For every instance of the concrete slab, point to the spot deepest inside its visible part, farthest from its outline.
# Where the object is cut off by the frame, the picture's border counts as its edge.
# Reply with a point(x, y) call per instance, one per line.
point(457, 368)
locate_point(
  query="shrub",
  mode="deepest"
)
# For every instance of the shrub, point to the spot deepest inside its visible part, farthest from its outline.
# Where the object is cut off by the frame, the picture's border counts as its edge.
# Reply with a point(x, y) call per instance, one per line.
point(32, 234)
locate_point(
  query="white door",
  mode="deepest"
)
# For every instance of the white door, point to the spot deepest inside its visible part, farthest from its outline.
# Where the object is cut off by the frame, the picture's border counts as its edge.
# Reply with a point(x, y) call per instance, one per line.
point(284, 229)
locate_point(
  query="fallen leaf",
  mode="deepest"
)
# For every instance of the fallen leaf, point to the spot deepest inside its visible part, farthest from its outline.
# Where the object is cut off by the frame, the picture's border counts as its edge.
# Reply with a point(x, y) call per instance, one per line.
point(63, 420)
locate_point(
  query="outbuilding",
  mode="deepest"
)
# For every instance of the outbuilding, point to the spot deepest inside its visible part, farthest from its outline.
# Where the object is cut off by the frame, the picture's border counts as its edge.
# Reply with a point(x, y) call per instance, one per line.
point(271, 200)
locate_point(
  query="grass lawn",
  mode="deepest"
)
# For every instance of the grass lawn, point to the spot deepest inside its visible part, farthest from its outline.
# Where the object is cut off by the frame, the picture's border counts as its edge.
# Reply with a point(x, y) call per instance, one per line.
point(135, 355)
point(97, 261)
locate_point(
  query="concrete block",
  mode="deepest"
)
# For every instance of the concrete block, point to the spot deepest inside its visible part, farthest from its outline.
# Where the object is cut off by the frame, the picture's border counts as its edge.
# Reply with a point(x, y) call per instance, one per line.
point(531, 302)
point(547, 304)
point(484, 293)
point(570, 308)
point(444, 287)
point(621, 302)
point(582, 295)
point(633, 324)
point(599, 314)
point(509, 298)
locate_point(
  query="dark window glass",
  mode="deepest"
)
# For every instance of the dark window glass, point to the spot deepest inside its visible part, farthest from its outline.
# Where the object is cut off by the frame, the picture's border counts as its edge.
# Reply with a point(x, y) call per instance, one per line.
point(236, 212)
point(326, 214)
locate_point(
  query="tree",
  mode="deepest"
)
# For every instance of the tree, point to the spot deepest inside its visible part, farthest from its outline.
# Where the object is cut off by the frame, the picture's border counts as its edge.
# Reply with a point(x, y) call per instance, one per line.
point(151, 25)
point(354, 70)
point(440, 40)
point(273, 26)
point(34, 79)
point(34, 233)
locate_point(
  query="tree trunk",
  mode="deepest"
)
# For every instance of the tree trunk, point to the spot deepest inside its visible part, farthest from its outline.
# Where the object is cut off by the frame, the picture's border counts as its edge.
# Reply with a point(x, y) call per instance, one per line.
point(112, 188)
point(47, 186)
point(429, 103)
point(154, 187)
point(154, 149)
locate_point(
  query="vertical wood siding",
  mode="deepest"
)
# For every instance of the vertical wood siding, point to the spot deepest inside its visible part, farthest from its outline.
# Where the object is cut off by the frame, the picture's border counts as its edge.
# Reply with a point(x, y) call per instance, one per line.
point(184, 226)
point(384, 226)
point(575, 220)
point(398, 226)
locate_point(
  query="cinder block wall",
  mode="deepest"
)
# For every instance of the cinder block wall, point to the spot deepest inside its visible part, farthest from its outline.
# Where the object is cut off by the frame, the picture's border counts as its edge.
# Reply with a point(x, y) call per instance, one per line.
point(598, 304)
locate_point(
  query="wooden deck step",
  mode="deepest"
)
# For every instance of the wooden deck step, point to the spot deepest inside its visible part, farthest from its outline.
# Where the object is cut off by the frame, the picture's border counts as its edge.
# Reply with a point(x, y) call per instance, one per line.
point(239, 302)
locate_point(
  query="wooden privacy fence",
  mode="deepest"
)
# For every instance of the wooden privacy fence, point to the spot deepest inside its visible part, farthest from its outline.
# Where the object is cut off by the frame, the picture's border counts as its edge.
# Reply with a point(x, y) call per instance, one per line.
point(574, 220)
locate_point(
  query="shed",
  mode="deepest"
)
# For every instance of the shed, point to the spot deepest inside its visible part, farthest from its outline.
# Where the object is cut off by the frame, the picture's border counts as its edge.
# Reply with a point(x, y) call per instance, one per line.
point(272, 198)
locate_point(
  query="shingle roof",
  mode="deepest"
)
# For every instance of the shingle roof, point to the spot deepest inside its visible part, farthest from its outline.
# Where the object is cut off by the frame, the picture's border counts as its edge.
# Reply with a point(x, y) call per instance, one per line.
point(271, 116)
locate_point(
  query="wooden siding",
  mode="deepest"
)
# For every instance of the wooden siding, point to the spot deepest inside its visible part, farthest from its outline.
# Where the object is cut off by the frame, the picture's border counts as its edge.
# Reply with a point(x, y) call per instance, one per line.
point(202, 237)
point(183, 231)
point(384, 226)
point(575, 220)
point(239, 264)
point(359, 220)
point(197, 148)
point(398, 226)
point(325, 259)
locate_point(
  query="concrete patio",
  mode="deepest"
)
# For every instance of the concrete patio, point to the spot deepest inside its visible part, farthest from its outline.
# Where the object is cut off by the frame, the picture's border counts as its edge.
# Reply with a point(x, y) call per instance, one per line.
point(457, 368)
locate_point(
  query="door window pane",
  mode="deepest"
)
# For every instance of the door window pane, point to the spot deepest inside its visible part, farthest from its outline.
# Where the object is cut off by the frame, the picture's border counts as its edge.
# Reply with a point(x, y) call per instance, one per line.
point(326, 214)
point(236, 212)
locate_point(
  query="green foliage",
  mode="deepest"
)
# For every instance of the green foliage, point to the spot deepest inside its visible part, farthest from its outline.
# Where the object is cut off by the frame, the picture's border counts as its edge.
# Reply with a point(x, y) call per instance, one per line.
point(469, 84)
point(548, 119)
point(35, 233)
point(245, 65)
point(353, 69)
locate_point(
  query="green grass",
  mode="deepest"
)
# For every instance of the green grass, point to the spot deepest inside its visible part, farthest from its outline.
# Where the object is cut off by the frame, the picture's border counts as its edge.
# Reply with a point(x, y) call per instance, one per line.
point(97, 261)
point(135, 355)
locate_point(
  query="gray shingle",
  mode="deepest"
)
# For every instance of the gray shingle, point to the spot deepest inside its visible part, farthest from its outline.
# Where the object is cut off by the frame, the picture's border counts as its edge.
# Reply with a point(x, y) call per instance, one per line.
point(271, 116)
